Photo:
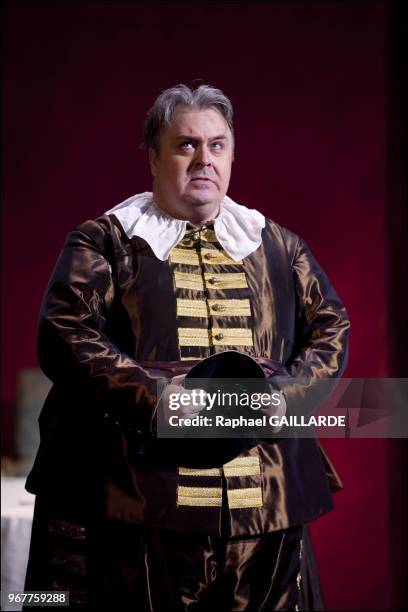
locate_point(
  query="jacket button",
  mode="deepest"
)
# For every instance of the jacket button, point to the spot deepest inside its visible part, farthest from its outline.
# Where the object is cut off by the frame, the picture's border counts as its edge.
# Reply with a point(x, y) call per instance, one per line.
point(209, 255)
point(216, 307)
point(219, 336)
point(212, 280)
point(196, 235)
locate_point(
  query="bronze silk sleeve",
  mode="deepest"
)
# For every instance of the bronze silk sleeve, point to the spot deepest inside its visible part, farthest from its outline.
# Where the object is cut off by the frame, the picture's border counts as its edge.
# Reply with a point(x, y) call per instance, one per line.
point(322, 330)
point(73, 346)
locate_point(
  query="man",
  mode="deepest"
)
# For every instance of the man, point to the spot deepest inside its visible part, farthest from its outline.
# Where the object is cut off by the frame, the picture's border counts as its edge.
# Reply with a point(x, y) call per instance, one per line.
point(146, 291)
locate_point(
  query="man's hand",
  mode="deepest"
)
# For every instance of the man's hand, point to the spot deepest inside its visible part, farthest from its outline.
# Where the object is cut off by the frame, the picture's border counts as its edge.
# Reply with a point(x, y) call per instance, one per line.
point(193, 400)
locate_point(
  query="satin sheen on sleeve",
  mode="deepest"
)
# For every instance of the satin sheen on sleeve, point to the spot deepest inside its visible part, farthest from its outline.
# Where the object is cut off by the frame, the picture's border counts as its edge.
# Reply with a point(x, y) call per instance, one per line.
point(322, 329)
point(73, 347)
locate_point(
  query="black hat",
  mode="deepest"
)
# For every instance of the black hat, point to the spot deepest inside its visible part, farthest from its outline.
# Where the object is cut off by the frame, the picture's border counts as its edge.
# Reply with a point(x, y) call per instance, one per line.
point(228, 364)
point(236, 370)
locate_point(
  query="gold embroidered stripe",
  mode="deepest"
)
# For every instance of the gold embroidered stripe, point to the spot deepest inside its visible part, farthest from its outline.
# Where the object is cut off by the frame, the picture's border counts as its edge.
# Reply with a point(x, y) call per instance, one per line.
point(243, 466)
point(230, 308)
point(184, 256)
point(184, 280)
point(216, 257)
point(219, 308)
point(185, 471)
point(191, 308)
point(232, 280)
point(209, 256)
point(199, 496)
point(248, 470)
point(191, 336)
point(233, 336)
point(245, 498)
point(240, 466)
point(249, 460)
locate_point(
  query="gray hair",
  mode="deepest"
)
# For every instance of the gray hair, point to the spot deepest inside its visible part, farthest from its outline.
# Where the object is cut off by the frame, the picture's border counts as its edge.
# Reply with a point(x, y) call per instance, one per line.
point(161, 113)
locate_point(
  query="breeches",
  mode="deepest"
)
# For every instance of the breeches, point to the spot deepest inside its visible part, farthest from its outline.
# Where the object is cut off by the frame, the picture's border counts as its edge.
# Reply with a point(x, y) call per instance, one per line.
point(114, 565)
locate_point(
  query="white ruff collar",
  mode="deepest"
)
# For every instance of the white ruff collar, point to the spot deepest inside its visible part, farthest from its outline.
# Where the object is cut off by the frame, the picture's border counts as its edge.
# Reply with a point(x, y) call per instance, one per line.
point(238, 228)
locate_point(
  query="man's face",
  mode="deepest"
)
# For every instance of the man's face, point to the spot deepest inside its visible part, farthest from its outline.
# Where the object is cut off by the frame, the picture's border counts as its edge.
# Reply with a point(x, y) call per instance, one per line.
point(193, 167)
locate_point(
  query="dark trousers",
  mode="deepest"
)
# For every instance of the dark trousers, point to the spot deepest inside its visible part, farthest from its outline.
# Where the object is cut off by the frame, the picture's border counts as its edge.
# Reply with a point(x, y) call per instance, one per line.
point(113, 565)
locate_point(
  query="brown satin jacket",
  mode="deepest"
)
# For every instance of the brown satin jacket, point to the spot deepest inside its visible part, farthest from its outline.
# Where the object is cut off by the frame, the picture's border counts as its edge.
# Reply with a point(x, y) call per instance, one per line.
point(115, 319)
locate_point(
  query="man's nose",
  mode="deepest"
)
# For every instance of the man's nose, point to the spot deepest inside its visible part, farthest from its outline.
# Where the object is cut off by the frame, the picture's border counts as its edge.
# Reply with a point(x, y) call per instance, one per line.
point(202, 156)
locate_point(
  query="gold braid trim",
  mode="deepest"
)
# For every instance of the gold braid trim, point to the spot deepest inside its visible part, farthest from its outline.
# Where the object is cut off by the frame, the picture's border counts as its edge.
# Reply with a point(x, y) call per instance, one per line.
point(218, 308)
point(191, 308)
point(199, 496)
point(185, 280)
point(185, 471)
point(240, 466)
point(196, 336)
point(232, 280)
point(214, 257)
point(245, 498)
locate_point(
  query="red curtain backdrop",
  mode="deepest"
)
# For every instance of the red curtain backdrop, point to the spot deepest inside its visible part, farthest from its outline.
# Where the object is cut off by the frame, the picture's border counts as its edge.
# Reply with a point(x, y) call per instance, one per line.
point(308, 82)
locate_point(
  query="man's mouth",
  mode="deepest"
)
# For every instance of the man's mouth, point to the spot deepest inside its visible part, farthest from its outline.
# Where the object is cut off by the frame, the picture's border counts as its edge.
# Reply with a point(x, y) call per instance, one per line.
point(201, 178)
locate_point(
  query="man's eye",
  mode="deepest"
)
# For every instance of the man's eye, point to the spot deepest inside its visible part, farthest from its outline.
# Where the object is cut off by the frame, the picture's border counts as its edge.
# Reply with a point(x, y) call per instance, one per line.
point(217, 145)
point(186, 145)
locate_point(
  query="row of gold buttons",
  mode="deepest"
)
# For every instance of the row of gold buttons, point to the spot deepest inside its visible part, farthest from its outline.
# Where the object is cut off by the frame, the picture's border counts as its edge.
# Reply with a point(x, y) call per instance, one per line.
point(204, 337)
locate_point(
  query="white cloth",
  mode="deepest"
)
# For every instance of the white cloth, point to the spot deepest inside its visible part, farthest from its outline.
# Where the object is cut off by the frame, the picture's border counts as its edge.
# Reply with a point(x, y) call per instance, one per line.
point(17, 509)
point(238, 229)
